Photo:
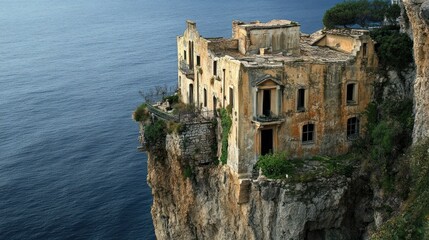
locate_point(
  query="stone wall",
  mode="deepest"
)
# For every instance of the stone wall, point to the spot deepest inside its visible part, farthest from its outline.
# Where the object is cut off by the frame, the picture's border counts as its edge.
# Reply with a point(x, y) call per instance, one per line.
point(195, 144)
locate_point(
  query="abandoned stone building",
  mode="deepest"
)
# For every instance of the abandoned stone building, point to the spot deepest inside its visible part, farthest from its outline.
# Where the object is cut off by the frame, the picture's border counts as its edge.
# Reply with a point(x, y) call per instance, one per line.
point(289, 91)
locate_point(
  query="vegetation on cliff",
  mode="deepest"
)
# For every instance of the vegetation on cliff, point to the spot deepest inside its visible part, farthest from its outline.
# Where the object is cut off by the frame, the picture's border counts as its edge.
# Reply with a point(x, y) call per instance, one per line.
point(279, 166)
point(412, 222)
point(394, 49)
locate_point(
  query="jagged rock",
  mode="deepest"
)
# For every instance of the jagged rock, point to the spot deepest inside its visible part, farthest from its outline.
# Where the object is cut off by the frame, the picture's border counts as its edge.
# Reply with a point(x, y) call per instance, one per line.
point(420, 30)
point(424, 12)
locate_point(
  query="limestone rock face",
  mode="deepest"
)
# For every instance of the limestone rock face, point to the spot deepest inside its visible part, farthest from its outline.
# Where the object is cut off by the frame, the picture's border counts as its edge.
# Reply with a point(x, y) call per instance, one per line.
point(417, 11)
point(206, 205)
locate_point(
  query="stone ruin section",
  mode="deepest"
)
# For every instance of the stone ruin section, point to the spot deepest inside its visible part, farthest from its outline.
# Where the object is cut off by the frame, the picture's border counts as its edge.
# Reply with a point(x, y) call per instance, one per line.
point(195, 143)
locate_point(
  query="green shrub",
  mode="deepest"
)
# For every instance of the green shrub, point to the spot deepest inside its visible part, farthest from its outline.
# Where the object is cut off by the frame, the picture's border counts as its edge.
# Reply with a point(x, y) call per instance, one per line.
point(226, 123)
point(383, 135)
point(141, 113)
point(155, 133)
point(174, 127)
point(394, 49)
point(171, 99)
point(187, 172)
point(275, 165)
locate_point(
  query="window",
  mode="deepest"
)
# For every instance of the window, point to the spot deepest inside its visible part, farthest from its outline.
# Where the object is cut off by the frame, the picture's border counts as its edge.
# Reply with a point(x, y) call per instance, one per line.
point(308, 133)
point(184, 54)
point(352, 128)
point(191, 55)
point(364, 47)
point(205, 97)
point(266, 102)
point(351, 95)
point(301, 100)
point(198, 61)
point(191, 93)
point(231, 97)
point(215, 68)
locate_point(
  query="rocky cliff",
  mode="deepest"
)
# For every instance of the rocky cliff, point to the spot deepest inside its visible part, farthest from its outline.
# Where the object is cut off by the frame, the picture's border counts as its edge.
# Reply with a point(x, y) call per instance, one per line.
point(418, 15)
point(208, 201)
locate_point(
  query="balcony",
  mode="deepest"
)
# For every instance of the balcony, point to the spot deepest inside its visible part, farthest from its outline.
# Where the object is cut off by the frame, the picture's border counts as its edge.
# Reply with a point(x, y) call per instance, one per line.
point(272, 119)
point(185, 69)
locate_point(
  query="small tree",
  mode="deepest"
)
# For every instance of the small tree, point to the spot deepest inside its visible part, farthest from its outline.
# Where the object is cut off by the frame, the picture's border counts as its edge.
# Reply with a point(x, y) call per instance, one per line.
point(342, 14)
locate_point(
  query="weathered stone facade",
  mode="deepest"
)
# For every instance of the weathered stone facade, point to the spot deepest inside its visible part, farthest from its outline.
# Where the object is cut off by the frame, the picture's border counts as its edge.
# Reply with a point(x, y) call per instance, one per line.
point(304, 94)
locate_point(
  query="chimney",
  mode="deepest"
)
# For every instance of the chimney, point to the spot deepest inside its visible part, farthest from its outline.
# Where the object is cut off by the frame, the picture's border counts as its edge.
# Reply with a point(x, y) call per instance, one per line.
point(191, 25)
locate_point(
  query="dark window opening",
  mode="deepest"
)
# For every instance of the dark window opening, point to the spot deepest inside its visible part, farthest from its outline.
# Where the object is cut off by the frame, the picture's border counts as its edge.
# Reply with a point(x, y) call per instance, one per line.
point(351, 93)
point(266, 102)
point(198, 61)
point(214, 105)
point(191, 55)
point(191, 93)
point(205, 97)
point(231, 97)
point(224, 76)
point(215, 68)
point(352, 128)
point(364, 47)
point(266, 141)
point(301, 100)
point(184, 54)
point(308, 133)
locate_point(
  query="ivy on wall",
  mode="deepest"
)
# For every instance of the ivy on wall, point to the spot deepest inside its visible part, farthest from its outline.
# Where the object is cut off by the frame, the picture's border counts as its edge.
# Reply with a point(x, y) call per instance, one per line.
point(226, 123)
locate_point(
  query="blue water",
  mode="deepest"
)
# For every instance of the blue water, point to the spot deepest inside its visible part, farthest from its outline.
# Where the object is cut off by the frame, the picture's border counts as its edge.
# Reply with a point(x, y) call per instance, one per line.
point(70, 72)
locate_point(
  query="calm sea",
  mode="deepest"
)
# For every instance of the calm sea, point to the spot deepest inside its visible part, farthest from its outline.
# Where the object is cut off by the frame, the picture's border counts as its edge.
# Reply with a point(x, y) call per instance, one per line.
point(70, 72)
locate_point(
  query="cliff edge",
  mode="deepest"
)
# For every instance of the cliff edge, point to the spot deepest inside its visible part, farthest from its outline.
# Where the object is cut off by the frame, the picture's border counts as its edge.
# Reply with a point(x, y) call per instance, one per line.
point(418, 15)
point(208, 201)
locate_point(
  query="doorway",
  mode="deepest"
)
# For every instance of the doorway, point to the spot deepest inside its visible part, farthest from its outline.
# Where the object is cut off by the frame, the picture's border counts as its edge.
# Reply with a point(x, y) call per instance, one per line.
point(266, 141)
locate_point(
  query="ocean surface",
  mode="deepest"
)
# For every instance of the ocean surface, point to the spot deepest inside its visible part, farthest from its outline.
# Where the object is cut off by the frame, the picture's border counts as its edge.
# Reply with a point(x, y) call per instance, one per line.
point(70, 72)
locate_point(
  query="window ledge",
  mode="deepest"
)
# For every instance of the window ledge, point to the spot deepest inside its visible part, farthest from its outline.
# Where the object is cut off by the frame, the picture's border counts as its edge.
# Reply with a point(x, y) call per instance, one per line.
point(353, 137)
